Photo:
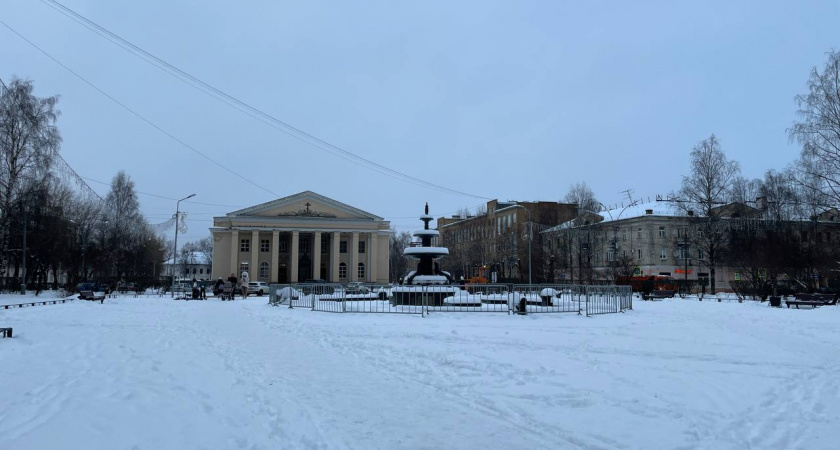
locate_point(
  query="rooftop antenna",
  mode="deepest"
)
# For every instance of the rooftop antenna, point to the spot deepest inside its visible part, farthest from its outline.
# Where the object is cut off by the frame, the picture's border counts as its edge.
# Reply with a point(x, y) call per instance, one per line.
point(628, 193)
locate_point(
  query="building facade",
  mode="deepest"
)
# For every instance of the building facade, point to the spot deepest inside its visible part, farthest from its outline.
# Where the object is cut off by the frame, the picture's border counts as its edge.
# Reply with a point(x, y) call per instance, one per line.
point(192, 266)
point(498, 239)
point(656, 238)
point(302, 237)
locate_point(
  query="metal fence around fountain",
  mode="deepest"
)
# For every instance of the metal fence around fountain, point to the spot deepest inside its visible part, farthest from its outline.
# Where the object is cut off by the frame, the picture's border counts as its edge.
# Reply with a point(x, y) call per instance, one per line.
point(368, 298)
point(549, 298)
point(471, 298)
point(378, 299)
point(385, 299)
point(607, 299)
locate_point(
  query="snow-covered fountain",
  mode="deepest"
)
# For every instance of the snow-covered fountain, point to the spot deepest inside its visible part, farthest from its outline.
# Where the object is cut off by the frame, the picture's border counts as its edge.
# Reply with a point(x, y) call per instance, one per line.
point(428, 280)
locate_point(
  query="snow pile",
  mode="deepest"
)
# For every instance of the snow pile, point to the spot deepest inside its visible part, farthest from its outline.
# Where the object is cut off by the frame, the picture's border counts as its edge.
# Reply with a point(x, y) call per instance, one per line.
point(152, 373)
point(462, 297)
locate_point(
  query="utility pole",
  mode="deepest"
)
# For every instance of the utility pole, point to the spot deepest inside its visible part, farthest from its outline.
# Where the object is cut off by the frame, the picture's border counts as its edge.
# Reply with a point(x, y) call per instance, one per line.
point(175, 250)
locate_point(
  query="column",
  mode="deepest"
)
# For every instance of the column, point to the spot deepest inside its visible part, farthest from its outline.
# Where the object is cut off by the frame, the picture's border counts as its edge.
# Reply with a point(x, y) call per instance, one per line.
point(294, 257)
point(334, 254)
point(275, 257)
point(234, 253)
point(316, 256)
point(354, 257)
point(253, 271)
point(372, 274)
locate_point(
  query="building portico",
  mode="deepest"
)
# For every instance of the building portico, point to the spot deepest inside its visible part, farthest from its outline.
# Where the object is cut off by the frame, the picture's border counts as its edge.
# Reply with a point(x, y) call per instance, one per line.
point(300, 237)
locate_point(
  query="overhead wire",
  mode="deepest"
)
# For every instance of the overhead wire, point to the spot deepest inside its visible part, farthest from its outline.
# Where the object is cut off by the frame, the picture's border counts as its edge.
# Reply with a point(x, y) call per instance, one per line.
point(135, 113)
point(244, 107)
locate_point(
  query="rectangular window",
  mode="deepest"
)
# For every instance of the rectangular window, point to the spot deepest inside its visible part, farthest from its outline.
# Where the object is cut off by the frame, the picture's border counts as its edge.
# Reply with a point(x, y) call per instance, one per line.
point(639, 233)
point(699, 254)
point(662, 253)
point(303, 245)
point(361, 246)
point(243, 267)
point(623, 235)
point(325, 244)
point(284, 244)
point(244, 245)
point(201, 271)
point(640, 253)
point(265, 246)
point(610, 255)
point(661, 231)
point(361, 271)
point(342, 247)
point(342, 271)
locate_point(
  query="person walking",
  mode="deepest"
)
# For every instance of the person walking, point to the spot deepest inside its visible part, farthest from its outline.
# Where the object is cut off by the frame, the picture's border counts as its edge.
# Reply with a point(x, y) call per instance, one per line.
point(217, 291)
point(245, 280)
point(233, 280)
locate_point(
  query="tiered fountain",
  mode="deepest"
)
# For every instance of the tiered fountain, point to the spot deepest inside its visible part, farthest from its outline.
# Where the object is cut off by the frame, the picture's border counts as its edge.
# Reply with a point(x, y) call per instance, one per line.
point(417, 283)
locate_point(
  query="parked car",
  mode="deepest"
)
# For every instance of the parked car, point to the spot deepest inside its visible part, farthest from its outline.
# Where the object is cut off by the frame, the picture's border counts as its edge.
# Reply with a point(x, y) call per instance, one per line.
point(316, 286)
point(89, 286)
point(356, 287)
point(257, 287)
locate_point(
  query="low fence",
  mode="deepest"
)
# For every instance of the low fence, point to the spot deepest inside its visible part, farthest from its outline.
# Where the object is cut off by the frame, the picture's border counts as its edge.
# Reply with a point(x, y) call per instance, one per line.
point(488, 298)
point(38, 303)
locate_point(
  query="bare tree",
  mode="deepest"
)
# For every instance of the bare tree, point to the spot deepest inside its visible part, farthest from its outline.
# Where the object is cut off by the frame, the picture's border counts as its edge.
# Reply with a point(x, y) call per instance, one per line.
point(706, 188)
point(744, 191)
point(818, 131)
point(28, 141)
point(779, 195)
point(398, 264)
point(581, 194)
point(125, 228)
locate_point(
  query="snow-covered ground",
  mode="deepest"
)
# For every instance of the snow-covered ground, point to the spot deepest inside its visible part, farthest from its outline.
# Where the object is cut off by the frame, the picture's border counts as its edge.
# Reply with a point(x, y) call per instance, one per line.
point(153, 373)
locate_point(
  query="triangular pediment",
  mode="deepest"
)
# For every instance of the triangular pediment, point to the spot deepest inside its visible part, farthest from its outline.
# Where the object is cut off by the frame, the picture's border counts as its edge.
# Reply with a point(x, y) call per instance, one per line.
point(306, 204)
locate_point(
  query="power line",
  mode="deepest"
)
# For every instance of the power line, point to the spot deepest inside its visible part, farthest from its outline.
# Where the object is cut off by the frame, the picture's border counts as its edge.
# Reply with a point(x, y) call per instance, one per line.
point(169, 198)
point(244, 107)
point(136, 114)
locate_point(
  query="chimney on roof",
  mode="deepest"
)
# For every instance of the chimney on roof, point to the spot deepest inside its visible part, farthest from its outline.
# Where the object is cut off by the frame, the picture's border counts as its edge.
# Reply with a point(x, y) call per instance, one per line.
point(648, 211)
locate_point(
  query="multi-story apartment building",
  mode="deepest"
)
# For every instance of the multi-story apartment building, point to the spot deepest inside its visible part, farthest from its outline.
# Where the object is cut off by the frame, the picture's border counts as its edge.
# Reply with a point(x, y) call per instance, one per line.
point(497, 240)
point(656, 238)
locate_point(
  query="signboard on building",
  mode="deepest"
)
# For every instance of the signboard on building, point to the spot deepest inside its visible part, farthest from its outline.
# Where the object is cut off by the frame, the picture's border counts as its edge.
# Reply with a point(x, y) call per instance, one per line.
point(737, 276)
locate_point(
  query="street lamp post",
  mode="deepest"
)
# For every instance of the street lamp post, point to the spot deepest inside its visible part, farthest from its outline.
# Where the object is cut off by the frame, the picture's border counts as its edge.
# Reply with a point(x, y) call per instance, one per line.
point(175, 250)
point(530, 238)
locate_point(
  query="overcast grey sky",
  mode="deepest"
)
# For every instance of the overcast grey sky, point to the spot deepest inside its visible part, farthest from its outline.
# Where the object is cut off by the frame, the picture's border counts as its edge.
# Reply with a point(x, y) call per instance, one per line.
point(511, 100)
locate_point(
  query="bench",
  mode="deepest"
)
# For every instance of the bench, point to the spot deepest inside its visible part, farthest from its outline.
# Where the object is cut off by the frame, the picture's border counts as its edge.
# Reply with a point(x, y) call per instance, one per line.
point(89, 295)
point(658, 295)
point(812, 300)
point(7, 332)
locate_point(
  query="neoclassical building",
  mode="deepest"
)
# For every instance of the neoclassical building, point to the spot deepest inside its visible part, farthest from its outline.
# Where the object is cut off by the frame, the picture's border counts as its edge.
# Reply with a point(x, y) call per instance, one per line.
point(301, 237)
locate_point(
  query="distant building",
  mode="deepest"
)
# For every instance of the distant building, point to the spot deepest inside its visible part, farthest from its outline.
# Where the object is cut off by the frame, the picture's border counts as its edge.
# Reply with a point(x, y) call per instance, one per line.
point(653, 239)
point(301, 237)
point(498, 238)
point(195, 265)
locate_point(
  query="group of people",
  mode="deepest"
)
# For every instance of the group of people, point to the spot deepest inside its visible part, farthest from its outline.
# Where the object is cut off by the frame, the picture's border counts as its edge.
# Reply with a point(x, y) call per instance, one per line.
point(243, 285)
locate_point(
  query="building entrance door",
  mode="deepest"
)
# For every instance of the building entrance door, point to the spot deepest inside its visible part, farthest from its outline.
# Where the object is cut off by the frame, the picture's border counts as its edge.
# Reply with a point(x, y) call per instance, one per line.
point(305, 268)
point(282, 278)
